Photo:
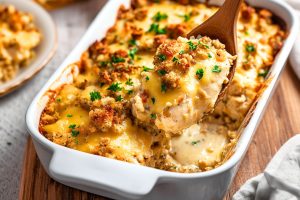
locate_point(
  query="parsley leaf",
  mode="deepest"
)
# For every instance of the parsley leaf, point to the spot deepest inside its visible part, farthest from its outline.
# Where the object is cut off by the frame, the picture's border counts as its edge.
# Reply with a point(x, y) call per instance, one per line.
point(199, 73)
point(72, 126)
point(159, 16)
point(161, 72)
point(115, 87)
point(129, 92)
point(147, 78)
point(132, 53)
point(129, 82)
point(264, 73)
point(115, 59)
point(195, 142)
point(69, 115)
point(216, 69)
point(119, 98)
point(192, 46)
point(175, 60)
point(209, 55)
point(181, 52)
point(204, 45)
point(163, 87)
point(95, 95)
point(162, 57)
point(74, 133)
point(132, 42)
point(146, 69)
point(155, 28)
point(250, 48)
point(153, 116)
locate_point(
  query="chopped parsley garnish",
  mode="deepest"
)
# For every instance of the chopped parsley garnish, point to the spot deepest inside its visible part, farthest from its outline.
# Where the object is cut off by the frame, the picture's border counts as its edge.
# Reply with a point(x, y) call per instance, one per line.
point(162, 57)
point(129, 82)
point(146, 69)
point(74, 132)
point(132, 42)
point(69, 115)
point(58, 100)
point(159, 16)
point(250, 48)
point(216, 69)
point(119, 98)
point(246, 32)
point(163, 87)
point(95, 95)
point(115, 59)
point(181, 52)
point(192, 46)
point(129, 92)
point(209, 55)
point(161, 72)
point(153, 100)
point(186, 17)
point(115, 87)
point(195, 142)
point(155, 28)
point(147, 78)
point(204, 45)
point(264, 73)
point(153, 116)
point(72, 126)
point(103, 63)
point(175, 60)
point(199, 73)
point(132, 53)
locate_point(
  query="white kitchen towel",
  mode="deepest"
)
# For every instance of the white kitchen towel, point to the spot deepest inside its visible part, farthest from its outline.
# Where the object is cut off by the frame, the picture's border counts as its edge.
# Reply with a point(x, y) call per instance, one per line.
point(281, 178)
point(295, 54)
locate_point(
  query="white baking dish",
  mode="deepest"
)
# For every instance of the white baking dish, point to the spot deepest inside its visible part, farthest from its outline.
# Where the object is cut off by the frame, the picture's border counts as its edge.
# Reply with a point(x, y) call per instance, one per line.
point(121, 180)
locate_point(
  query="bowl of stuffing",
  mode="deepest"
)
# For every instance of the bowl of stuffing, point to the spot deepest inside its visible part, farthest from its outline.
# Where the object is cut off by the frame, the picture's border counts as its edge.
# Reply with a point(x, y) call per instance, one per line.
point(27, 42)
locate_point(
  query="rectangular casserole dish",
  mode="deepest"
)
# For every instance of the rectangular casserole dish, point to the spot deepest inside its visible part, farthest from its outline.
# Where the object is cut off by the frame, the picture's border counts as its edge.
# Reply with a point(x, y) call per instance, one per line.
point(121, 180)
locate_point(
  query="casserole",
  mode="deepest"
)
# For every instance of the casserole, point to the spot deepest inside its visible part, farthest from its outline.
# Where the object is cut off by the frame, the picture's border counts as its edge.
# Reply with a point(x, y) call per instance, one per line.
point(121, 180)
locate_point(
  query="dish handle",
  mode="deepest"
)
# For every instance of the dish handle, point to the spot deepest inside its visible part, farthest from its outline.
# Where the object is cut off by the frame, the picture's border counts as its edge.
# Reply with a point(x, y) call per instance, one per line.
point(98, 172)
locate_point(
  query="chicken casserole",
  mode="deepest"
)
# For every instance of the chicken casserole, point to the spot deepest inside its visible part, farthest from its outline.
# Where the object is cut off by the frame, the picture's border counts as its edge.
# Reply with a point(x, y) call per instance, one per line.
point(93, 114)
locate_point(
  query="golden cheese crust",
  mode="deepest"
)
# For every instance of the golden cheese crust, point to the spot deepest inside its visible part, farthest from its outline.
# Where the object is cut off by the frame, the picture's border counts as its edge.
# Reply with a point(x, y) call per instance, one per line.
point(18, 39)
point(93, 114)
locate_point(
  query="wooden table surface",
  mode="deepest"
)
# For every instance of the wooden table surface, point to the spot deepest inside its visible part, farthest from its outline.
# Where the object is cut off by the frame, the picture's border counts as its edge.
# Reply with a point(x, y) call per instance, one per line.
point(280, 122)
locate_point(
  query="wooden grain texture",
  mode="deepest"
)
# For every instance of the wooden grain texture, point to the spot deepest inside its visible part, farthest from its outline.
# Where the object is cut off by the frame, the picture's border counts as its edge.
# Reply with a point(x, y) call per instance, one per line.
point(280, 122)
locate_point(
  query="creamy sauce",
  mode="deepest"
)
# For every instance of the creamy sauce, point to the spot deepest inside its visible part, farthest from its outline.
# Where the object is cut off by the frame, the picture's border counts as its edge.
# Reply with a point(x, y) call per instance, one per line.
point(199, 143)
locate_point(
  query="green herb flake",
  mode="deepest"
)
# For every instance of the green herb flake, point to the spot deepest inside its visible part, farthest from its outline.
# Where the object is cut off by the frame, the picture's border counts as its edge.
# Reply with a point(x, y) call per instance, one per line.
point(132, 53)
point(263, 74)
point(209, 55)
point(186, 17)
point(163, 87)
point(147, 78)
point(74, 133)
point(58, 100)
point(115, 87)
point(129, 82)
point(146, 69)
point(159, 16)
point(175, 60)
point(161, 72)
point(103, 63)
point(153, 100)
point(133, 42)
point(115, 59)
point(204, 45)
point(195, 142)
point(250, 48)
point(72, 126)
point(199, 73)
point(129, 92)
point(155, 28)
point(153, 116)
point(95, 95)
point(162, 57)
point(181, 52)
point(216, 69)
point(69, 115)
point(192, 46)
point(119, 98)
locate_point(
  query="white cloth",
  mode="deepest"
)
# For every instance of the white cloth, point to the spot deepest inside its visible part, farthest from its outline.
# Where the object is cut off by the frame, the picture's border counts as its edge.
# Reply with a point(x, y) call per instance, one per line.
point(281, 178)
point(295, 54)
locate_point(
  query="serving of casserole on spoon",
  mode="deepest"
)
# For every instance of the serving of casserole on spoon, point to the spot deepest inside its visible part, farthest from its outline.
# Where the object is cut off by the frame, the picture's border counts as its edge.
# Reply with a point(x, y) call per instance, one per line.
point(190, 75)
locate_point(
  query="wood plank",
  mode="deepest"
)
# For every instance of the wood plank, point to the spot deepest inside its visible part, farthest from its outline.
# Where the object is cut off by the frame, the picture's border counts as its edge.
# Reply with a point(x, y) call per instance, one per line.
point(280, 122)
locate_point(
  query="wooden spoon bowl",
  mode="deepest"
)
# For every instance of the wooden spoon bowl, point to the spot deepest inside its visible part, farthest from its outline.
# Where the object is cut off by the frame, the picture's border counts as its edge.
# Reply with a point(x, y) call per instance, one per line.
point(222, 26)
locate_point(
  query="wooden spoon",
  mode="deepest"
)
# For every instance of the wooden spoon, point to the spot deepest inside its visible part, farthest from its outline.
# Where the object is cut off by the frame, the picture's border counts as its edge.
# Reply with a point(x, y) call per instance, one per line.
point(222, 26)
